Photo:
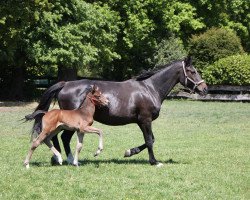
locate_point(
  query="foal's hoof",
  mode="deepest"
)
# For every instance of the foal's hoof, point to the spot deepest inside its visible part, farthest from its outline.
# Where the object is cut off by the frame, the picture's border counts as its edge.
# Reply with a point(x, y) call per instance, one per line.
point(27, 166)
point(127, 153)
point(76, 164)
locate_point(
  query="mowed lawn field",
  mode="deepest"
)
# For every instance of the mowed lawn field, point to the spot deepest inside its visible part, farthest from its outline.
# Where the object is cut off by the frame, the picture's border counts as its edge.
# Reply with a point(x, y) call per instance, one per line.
point(204, 146)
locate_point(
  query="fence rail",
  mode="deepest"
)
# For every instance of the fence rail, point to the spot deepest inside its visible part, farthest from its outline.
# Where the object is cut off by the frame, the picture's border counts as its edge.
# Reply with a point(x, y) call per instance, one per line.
point(219, 93)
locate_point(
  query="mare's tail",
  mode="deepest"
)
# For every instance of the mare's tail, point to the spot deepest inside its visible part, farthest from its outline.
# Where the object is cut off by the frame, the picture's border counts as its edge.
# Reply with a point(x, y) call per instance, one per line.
point(34, 115)
point(44, 105)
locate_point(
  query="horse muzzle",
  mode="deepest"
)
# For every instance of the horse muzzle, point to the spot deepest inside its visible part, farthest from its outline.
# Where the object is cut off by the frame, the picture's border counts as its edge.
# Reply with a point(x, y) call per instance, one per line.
point(202, 89)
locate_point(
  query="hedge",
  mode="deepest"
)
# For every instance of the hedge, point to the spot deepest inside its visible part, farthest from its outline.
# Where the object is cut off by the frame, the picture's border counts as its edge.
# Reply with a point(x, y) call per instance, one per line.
point(232, 70)
point(214, 44)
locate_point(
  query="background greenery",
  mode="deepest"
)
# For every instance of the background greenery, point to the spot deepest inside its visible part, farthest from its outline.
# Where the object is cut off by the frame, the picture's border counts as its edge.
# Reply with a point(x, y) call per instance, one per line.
point(204, 148)
point(112, 39)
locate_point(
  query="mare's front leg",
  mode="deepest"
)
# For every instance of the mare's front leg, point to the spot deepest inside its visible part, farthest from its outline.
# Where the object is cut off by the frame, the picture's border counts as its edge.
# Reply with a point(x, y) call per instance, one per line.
point(146, 127)
point(99, 132)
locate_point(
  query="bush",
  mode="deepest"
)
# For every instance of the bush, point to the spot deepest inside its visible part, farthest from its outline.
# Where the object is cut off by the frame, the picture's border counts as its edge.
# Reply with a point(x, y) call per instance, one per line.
point(214, 44)
point(233, 70)
point(169, 50)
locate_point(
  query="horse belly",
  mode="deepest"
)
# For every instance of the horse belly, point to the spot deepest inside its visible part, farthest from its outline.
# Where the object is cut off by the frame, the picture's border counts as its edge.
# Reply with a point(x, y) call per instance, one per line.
point(114, 118)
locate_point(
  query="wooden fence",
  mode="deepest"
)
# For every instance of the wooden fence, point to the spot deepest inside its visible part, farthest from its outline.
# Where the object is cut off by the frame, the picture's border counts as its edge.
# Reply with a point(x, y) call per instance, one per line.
point(219, 93)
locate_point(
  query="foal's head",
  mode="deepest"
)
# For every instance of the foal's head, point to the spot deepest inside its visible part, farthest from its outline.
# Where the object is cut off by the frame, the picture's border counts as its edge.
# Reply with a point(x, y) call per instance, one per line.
point(97, 97)
point(191, 78)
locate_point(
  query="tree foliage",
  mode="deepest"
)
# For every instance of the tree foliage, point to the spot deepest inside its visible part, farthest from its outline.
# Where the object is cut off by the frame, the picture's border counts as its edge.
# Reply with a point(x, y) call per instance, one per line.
point(113, 39)
point(168, 51)
point(73, 34)
point(212, 45)
point(232, 70)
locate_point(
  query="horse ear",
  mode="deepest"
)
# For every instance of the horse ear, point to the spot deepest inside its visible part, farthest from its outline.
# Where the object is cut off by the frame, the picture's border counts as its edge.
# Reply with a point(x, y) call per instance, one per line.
point(188, 61)
point(94, 88)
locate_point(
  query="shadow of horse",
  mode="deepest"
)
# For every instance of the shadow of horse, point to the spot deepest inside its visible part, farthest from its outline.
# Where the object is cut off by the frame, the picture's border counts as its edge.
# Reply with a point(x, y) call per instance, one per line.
point(97, 162)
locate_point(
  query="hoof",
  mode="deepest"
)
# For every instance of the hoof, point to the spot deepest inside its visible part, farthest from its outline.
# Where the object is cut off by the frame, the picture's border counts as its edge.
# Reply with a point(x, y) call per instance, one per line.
point(159, 165)
point(127, 153)
point(54, 160)
point(76, 164)
point(97, 152)
point(27, 166)
point(70, 159)
point(60, 161)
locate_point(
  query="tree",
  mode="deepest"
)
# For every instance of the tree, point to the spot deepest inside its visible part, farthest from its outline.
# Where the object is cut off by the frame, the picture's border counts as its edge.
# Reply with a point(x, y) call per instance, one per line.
point(168, 51)
point(212, 45)
point(144, 24)
point(13, 58)
point(231, 14)
point(71, 35)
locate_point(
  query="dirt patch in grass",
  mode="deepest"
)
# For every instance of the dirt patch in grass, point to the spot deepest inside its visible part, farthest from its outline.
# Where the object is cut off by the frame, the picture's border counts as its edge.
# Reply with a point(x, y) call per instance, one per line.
point(16, 106)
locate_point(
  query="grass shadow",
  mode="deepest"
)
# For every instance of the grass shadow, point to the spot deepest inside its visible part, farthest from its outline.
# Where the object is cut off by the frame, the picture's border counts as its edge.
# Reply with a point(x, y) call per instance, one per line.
point(124, 161)
point(97, 162)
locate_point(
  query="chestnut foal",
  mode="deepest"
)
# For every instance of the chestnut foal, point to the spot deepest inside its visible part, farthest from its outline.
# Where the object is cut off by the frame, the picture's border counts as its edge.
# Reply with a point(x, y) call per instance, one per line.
point(79, 120)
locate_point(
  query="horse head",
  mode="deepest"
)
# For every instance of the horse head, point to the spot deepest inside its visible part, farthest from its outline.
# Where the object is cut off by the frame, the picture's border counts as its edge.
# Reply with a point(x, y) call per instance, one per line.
point(97, 97)
point(191, 78)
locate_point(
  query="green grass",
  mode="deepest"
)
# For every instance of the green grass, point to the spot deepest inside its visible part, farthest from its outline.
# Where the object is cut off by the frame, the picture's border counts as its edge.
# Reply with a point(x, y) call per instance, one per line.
point(205, 148)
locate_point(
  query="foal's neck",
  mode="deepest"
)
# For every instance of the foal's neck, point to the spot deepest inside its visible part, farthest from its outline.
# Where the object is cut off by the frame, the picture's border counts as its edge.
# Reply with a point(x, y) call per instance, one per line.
point(87, 107)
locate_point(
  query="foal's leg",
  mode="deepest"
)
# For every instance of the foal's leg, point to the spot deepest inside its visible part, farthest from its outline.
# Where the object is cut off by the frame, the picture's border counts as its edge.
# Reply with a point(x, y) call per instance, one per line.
point(80, 136)
point(91, 129)
point(34, 145)
point(47, 141)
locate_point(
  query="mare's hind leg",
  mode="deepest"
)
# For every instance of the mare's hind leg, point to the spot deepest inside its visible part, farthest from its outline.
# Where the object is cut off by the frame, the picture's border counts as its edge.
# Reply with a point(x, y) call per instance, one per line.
point(79, 144)
point(91, 129)
point(66, 138)
point(136, 150)
point(34, 145)
point(149, 140)
point(54, 150)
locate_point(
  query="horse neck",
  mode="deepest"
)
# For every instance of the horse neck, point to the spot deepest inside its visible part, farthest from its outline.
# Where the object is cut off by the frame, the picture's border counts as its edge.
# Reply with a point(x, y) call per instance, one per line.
point(166, 79)
point(87, 107)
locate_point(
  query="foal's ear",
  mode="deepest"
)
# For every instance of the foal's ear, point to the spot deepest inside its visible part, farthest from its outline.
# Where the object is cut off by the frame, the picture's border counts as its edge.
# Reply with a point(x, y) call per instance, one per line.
point(94, 88)
point(188, 61)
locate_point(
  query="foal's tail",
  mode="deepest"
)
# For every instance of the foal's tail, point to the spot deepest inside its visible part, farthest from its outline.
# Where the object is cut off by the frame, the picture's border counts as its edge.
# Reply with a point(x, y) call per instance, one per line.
point(43, 106)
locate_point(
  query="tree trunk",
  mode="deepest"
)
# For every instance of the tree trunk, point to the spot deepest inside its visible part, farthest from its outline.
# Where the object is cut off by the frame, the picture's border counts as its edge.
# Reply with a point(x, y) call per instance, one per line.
point(16, 91)
point(67, 74)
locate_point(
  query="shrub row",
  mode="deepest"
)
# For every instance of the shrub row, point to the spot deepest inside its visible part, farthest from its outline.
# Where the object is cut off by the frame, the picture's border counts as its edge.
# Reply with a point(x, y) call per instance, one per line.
point(214, 44)
point(232, 70)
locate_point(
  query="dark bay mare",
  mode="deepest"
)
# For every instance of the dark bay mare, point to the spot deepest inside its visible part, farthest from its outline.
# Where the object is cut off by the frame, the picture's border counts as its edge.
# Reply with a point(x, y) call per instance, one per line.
point(136, 100)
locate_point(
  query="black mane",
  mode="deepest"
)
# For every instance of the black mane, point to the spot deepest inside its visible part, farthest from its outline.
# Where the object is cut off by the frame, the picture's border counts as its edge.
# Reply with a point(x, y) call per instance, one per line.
point(145, 74)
